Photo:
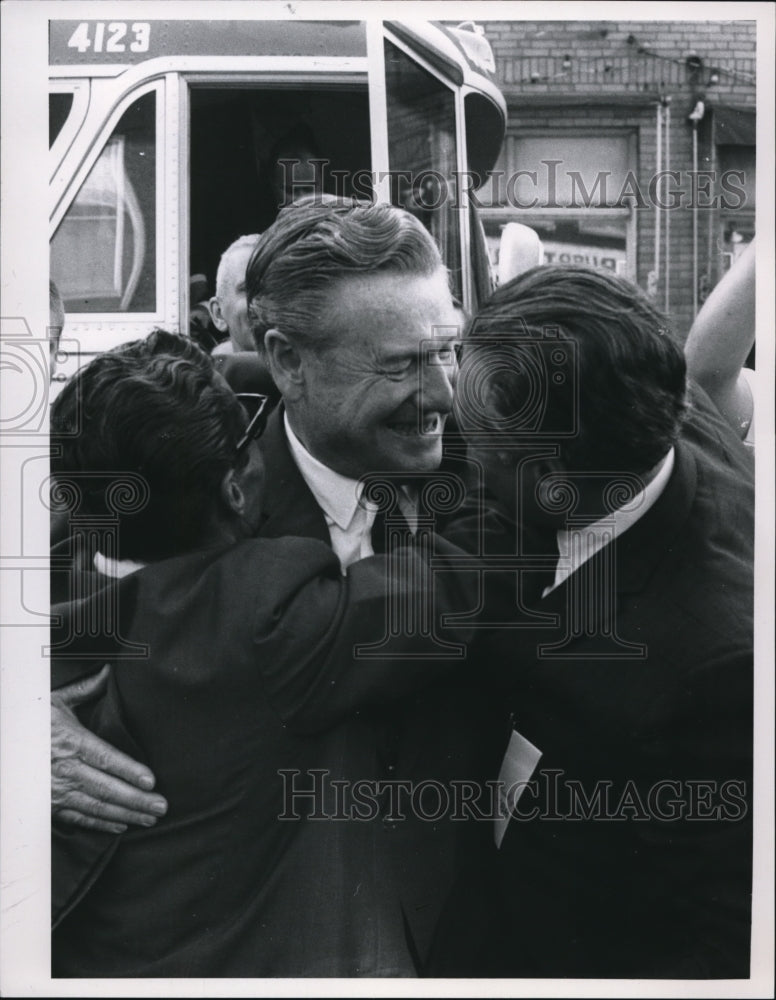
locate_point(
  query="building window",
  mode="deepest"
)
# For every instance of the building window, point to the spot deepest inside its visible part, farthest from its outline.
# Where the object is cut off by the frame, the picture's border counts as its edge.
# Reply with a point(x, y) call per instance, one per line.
point(737, 186)
point(573, 190)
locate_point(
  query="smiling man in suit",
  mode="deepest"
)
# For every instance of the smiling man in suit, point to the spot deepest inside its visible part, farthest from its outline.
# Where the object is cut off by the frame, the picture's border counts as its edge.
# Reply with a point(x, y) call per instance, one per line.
point(259, 867)
point(351, 307)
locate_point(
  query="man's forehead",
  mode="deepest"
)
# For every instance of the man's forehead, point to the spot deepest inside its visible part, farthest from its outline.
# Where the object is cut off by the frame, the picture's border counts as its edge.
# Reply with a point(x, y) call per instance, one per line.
point(390, 296)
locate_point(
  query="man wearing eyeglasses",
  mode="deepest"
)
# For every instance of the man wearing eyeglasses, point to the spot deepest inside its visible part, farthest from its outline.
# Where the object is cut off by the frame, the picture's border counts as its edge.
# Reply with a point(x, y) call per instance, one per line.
point(353, 309)
point(218, 622)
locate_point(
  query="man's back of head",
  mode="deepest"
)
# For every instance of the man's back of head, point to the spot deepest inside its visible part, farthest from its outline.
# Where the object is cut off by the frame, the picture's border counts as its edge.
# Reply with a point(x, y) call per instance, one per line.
point(585, 361)
point(152, 419)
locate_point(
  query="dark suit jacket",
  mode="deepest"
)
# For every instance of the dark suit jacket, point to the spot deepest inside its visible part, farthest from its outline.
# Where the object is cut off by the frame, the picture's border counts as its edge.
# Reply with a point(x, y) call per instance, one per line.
point(234, 640)
point(630, 855)
point(223, 886)
point(436, 734)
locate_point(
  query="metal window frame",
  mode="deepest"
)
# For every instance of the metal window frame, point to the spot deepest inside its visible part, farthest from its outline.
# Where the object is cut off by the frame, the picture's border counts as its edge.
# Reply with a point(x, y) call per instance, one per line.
point(79, 89)
point(172, 77)
point(336, 74)
point(461, 158)
point(627, 212)
point(96, 332)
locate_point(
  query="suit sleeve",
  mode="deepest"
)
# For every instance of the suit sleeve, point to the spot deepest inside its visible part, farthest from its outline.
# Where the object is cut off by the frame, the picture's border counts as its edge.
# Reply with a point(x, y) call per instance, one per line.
point(340, 644)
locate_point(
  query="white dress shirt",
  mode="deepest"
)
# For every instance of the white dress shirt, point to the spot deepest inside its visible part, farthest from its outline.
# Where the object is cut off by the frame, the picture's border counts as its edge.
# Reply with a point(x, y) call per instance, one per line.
point(339, 497)
point(580, 544)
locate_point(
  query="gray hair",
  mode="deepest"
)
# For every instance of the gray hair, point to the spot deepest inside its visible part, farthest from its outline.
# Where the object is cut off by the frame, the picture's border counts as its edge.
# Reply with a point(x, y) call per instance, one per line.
point(317, 241)
point(240, 243)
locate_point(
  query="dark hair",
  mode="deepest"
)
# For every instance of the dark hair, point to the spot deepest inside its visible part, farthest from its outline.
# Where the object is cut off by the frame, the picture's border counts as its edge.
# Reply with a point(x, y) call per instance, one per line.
point(620, 401)
point(317, 241)
point(153, 409)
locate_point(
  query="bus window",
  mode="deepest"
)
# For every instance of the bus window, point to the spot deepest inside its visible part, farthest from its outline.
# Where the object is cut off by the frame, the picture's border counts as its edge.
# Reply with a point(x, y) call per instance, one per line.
point(59, 108)
point(422, 152)
point(103, 256)
point(255, 149)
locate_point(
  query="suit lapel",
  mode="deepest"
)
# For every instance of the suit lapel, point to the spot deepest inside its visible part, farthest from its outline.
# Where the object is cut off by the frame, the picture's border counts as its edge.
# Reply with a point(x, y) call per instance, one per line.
point(588, 600)
point(643, 546)
point(289, 508)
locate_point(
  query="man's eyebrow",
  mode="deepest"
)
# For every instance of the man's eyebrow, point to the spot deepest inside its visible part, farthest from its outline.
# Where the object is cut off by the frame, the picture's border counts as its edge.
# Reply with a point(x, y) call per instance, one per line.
point(419, 350)
point(399, 354)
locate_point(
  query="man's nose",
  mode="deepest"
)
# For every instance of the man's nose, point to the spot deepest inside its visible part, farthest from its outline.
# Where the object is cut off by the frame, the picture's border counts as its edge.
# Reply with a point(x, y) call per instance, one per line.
point(438, 383)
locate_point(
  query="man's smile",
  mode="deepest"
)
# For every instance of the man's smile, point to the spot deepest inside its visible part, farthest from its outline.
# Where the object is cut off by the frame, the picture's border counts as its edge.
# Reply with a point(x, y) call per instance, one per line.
point(420, 425)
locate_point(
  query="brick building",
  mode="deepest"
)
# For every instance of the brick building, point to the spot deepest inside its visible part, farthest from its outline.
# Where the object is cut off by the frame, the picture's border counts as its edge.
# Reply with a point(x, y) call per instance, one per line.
point(597, 110)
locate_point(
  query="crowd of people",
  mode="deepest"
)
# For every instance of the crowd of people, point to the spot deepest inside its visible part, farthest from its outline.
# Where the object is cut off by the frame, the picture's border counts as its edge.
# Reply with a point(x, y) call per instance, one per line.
point(423, 643)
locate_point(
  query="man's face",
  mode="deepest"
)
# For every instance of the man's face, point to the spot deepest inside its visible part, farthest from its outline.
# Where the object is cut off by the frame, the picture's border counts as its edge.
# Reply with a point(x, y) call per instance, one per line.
point(513, 467)
point(376, 397)
point(232, 304)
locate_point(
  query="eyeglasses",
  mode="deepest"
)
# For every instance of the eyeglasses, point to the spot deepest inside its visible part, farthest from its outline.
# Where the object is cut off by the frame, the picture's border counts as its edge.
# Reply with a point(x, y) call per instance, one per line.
point(256, 406)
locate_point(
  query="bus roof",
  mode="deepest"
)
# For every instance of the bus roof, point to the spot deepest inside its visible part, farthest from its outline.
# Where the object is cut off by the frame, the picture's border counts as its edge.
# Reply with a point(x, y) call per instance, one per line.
point(461, 53)
point(112, 42)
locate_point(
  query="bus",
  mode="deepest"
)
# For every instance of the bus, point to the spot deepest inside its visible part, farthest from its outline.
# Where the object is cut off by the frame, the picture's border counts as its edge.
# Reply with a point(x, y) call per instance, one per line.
point(168, 139)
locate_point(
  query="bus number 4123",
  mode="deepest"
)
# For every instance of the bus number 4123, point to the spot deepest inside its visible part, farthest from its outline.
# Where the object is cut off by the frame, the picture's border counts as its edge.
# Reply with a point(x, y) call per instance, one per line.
point(111, 37)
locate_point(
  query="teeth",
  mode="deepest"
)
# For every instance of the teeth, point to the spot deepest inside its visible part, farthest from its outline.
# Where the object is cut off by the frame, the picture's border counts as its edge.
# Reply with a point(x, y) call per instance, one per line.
point(431, 425)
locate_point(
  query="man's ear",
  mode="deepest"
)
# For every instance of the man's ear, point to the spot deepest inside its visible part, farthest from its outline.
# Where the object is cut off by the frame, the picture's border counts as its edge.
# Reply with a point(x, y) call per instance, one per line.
point(285, 364)
point(232, 493)
point(214, 308)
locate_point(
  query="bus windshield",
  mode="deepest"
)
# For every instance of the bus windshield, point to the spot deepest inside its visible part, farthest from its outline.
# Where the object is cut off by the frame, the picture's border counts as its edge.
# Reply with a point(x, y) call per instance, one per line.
point(422, 153)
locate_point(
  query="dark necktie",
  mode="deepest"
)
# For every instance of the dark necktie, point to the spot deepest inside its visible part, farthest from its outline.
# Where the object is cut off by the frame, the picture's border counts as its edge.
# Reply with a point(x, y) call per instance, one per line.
point(390, 520)
point(389, 530)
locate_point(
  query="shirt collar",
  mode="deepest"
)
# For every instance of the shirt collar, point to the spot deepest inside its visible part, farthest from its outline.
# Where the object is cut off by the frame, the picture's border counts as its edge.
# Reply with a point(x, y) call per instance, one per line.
point(338, 496)
point(600, 533)
point(115, 568)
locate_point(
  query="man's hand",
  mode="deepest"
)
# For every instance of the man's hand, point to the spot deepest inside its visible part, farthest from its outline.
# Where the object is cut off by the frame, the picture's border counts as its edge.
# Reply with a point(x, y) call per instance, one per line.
point(93, 784)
